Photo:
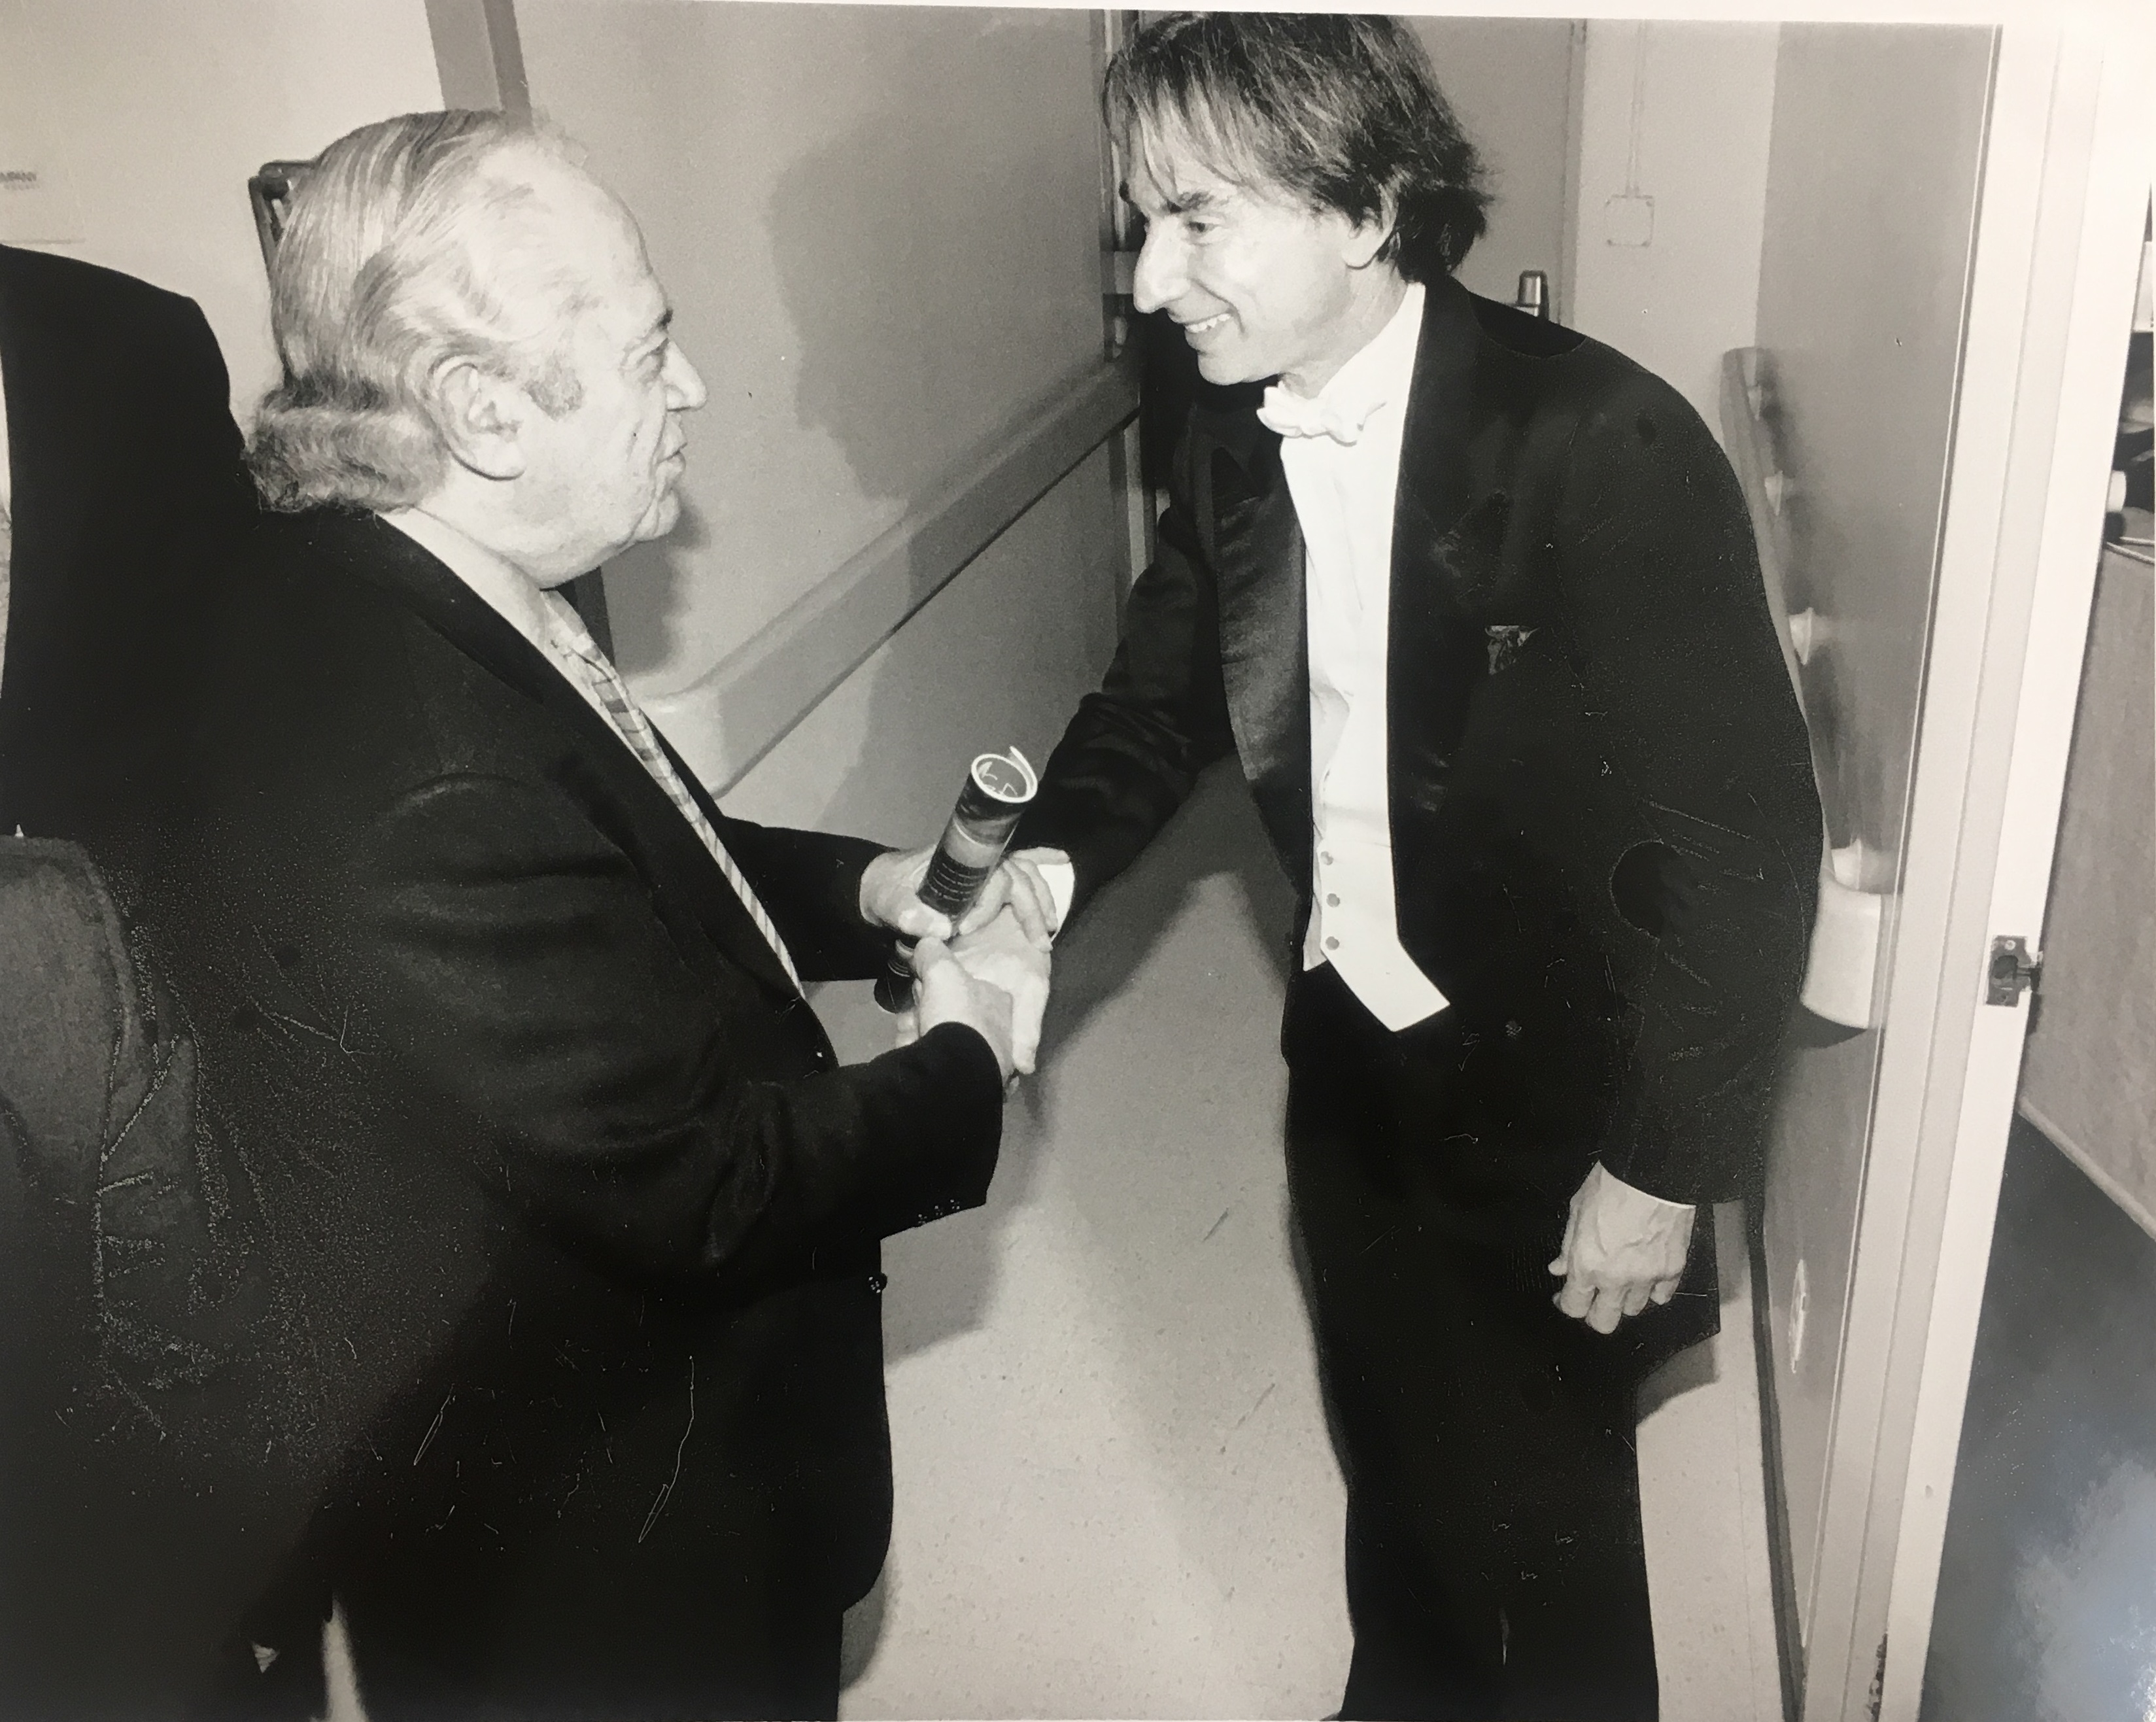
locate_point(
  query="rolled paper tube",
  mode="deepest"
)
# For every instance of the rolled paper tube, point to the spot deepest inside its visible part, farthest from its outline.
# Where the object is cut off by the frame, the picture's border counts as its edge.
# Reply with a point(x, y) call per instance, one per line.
point(997, 789)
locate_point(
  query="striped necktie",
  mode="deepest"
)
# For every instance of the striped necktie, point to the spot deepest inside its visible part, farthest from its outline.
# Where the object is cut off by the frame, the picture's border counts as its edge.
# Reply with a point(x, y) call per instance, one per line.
point(581, 652)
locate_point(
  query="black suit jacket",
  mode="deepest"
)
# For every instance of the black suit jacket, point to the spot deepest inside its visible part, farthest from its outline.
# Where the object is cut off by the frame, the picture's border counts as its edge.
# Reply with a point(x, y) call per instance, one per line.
point(568, 1213)
point(125, 481)
point(1604, 827)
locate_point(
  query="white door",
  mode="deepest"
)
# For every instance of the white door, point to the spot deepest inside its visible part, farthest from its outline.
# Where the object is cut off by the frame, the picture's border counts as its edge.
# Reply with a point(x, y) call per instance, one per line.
point(1875, 166)
point(1885, 1188)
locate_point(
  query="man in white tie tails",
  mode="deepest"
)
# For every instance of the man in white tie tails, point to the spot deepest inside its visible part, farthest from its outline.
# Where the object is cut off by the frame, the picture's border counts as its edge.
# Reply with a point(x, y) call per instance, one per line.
point(571, 1214)
point(1474, 600)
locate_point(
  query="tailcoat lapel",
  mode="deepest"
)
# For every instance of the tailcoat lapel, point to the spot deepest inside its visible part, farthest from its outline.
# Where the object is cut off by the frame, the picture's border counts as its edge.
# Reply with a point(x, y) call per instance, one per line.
point(376, 551)
point(1257, 556)
point(1436, 652)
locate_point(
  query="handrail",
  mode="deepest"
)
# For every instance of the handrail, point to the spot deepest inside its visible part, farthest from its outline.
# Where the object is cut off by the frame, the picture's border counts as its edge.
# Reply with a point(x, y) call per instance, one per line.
point(767, 685)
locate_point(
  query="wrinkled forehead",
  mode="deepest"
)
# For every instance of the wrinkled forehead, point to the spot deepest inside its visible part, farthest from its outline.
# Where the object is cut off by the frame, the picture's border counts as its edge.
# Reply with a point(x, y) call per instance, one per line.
point(568, 236)
point(589, 219)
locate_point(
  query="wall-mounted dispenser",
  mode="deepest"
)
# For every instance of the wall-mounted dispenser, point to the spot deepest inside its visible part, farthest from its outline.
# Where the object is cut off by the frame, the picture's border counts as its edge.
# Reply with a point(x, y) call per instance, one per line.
point(1841, 976)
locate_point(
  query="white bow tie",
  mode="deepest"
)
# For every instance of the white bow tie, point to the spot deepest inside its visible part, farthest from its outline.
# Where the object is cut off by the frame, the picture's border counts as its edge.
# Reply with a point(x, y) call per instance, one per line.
point(1292, 415)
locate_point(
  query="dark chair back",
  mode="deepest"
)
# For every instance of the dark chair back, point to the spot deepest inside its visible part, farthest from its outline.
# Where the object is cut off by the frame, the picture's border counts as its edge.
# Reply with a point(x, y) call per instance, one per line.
point(131, 1308)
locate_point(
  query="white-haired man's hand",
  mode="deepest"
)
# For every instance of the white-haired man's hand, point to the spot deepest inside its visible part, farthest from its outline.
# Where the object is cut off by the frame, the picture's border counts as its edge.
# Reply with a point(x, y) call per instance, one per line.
point(1002, 955)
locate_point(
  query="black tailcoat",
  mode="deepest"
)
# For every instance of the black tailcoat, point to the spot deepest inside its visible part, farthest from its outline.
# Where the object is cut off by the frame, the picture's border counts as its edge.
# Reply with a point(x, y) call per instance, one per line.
point(1605, 844)
point(1606, 835)
point(565, 1213)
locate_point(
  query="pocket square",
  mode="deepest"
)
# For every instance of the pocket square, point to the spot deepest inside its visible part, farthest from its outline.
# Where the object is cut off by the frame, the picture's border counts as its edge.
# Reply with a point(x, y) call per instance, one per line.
point(1506, 639)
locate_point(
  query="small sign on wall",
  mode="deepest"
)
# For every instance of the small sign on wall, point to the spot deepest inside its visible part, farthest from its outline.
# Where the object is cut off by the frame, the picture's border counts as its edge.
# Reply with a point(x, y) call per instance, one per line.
point(37, 205)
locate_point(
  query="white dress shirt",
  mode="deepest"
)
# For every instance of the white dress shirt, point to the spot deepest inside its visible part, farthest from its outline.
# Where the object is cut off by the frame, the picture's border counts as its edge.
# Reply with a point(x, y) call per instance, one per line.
point(1343, 496)
point(1344, 499)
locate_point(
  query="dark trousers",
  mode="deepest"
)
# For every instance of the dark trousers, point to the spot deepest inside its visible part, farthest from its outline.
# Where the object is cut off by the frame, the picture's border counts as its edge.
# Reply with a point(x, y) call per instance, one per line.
point(491, 1614)
point(750, 1663)
point(1494, 1561)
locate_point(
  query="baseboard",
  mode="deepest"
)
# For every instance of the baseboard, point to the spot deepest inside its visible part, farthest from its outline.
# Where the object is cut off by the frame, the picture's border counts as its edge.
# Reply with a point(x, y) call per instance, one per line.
point(1788, 1635)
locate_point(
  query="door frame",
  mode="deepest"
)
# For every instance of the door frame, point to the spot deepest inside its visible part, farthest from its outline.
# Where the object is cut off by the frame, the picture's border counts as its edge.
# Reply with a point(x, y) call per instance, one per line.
point(2060, 215)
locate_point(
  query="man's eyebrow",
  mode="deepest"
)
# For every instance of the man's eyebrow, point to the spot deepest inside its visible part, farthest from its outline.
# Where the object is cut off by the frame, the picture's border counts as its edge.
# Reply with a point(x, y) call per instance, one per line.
point(1189, 202)
point(663, 325)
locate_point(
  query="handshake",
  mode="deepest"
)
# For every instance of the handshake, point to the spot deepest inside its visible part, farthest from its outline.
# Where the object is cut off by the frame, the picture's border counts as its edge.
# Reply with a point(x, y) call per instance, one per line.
point(990, 972)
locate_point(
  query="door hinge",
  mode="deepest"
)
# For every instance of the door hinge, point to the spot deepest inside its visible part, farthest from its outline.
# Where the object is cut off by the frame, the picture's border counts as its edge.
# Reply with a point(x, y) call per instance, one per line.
point(2013, 971)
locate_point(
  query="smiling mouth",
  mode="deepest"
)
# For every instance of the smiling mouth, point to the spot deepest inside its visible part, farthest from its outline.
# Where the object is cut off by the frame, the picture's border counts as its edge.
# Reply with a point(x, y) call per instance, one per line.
point(1205, 326)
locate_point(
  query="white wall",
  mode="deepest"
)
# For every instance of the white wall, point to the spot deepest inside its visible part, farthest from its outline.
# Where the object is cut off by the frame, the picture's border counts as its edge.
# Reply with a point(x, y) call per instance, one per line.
point(2089, 1080)
point(1678, 113)
point(1510, 80)
point(1001, 655)
point(160, 110)
point(879, 229)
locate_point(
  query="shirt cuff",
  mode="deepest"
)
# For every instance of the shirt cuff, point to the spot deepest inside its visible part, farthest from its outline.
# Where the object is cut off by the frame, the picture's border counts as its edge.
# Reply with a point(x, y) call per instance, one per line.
point(1062, 881)
point(1640, 1196)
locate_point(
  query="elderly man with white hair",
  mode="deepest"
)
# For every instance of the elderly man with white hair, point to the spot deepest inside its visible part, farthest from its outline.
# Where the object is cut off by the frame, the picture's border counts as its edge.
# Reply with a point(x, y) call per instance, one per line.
point(571, 1214)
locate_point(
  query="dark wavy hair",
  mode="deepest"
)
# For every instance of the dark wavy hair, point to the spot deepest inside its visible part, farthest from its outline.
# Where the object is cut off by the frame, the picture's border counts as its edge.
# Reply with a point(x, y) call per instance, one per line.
point(1342, 112)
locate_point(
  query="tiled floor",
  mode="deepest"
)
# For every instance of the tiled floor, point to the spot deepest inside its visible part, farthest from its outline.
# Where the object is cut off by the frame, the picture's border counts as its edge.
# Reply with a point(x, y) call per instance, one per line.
point(1115, 1493)
point(2046, 1607)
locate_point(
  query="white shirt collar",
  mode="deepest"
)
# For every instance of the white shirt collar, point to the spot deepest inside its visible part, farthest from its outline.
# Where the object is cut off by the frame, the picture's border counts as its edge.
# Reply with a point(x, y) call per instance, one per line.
point(518, 599)
point(1383, 368)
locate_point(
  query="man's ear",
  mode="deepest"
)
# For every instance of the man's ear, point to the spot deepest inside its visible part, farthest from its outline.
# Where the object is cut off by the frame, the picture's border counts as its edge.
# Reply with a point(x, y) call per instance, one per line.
point(1366, 239)
point(482, 420)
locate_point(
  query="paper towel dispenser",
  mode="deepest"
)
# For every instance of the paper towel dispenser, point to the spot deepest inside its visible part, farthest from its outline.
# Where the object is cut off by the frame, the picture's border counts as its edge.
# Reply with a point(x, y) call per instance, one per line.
point(1841, 974)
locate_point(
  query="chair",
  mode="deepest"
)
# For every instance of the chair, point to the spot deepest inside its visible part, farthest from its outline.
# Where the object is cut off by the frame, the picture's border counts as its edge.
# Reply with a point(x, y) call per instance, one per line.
point(131, 1311)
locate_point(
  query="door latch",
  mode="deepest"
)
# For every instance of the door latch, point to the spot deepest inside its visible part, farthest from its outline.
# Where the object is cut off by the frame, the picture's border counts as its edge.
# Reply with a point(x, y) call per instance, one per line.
point(2014, 971)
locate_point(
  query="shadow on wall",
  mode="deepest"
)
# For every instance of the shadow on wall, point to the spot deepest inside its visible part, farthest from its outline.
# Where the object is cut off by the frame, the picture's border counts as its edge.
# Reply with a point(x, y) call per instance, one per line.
point(847, 223)
point(876, 246)
point(902, 358)
point(647, 587)
point(886, 247)
point(850, 225)
point(934, 300)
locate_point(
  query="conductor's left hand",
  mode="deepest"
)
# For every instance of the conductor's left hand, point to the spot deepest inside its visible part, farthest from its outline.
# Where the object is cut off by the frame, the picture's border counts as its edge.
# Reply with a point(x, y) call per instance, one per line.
point(1623, 1250)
